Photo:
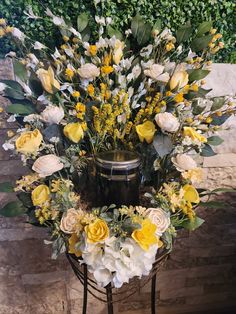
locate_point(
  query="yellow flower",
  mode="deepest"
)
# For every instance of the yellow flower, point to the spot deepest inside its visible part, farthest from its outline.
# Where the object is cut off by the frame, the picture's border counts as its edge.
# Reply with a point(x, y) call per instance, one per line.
point(194, 87)
point(191, 194)
point(209, 119)
point(97, 231)
point(80, 107)
point(74, 132)
point(168, 93)
point(179, 98)
point(179, 80)
point(118, 51)
point(76, 94)
point(2, 22)
point(170, 46)
point(145, 236)
point(40, 194)
point(194, 175)
point(2, 32)
point(106, 69)
point(90, 89)
point(9, 29)
point(146, 131)
point(193, 134)
point(93, 50)
point(66, 38)
point(69, 73)
point(73, 240)
point(29, 142)
point(47, 79)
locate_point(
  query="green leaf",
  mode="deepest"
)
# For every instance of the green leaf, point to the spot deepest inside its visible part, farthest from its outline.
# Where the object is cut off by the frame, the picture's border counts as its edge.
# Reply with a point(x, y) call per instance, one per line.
point(24, 109)
point(25, 198)
point(86, 33)
point(198, 74)
point(157, 25)
point(12, 209)
point(20, 70)
point(14, 89)
point(218, 102)
point(140, 30)
point(183, 33)
point(193, 224)
point(114, 32)
point(203, 28)
point(207, 151)
point(162, 144)
point(6, 187)
point(198, 109)
point(201, 43)
point(214, 140)
point(82, 21)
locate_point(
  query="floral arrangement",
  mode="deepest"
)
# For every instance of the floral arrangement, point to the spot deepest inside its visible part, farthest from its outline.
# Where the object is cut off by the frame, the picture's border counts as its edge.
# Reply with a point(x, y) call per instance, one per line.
point(139, 91)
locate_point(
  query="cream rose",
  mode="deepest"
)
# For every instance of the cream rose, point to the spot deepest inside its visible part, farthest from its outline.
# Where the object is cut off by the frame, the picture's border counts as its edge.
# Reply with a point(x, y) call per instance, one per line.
point(156, 73)
point(118, 51)
point(70, 222)
point(179, 79)
point(160, 219)
point(47, 165)
point(183, 162)
point(167, 122)
point(52, 114)
point(88, 71)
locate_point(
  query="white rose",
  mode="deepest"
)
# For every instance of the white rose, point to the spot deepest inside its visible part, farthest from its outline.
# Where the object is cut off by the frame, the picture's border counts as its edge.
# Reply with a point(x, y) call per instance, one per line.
point(156, 73)
point(52, 114)
point(47, 165)
point(88, 71)
point(167, 122)
point(160, 219)
point(183, 162)
point(70, 221)
point(18, 34)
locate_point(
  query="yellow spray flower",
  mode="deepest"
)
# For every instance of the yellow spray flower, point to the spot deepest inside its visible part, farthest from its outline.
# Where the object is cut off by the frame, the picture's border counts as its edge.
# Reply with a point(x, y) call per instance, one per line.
point(146, 131)
point(93, 50)
point(191, 194)
point(97, 231)
point(170, 46)
point(69, 73)
point(145, 237)
point(74, 132)
point(106, 69)
point(73, 240)
point(47, 79)
point(40, 194)
point(2, 22)
point(76, 94)
point(90, 89)
point(193, 134)
point(29, 142)
point(179, 98)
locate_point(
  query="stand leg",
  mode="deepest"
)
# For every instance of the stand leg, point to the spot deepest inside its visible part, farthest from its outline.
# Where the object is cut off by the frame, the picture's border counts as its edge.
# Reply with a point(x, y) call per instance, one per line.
point(153, 295)
point(109, 299)
point(85, 298)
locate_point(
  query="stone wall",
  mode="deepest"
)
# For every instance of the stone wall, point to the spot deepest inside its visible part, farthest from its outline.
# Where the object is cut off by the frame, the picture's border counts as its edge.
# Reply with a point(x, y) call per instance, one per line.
point(199, 277)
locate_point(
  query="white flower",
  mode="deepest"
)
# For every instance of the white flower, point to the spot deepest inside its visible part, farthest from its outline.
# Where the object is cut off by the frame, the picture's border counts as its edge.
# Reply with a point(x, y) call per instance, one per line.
point(100, 20)
point(88, 71)
point(47, 165)
point(159, 218)
point(155, 71)
point(31, 117)
point(2, 87)
point(183, 162)
point(11, 54)
point(167, 122)
point(52, 114)
point(70, 221)
point(12, 118)
point(39, 46)
point(18, 34)
point(146, 51)
point(33, 58)
point(103, 277)
point(8, 146)
point(30, 14)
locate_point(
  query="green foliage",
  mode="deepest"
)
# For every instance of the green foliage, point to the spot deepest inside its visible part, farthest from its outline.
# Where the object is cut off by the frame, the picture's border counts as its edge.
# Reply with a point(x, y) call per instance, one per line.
point(171, 14)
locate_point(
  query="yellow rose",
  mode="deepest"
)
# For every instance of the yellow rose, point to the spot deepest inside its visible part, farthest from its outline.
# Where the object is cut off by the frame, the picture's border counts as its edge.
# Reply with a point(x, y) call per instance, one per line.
point(179, 80)
point(73, 240)
point(191, 194)
point(97, 231)
point(146, 131)
point(74, 131)
point(118, 51)
point(145, 236)
point(40, 194)
point(29, 142)
point(47, 79)
point(193, 134)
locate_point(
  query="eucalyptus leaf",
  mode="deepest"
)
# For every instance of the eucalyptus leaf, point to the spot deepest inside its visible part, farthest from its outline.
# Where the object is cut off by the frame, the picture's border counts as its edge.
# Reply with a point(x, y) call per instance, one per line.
point(12, 209)
point(140, 30)
point(183, 33)
point(23, 109)
point(157, 25)
point(25, 198)
point(20, 70)
point(114, 32)
point(193, 224)
point(200, 43)
point(6, 187)
point(13, 89)
point(86, 33)
point(163, 144)
point(214, 140)
point(218, 102)
point(203, 28)
point(207, 151)
point(58, 247)
point(82, 21)
point(220, 120)
point(197, 74)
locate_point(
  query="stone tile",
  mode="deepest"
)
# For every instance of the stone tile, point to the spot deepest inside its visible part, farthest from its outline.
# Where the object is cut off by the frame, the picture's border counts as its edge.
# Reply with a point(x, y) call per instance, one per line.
point(12, 166)
point(221, 160)
point(9, 309)
point(6, 69)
